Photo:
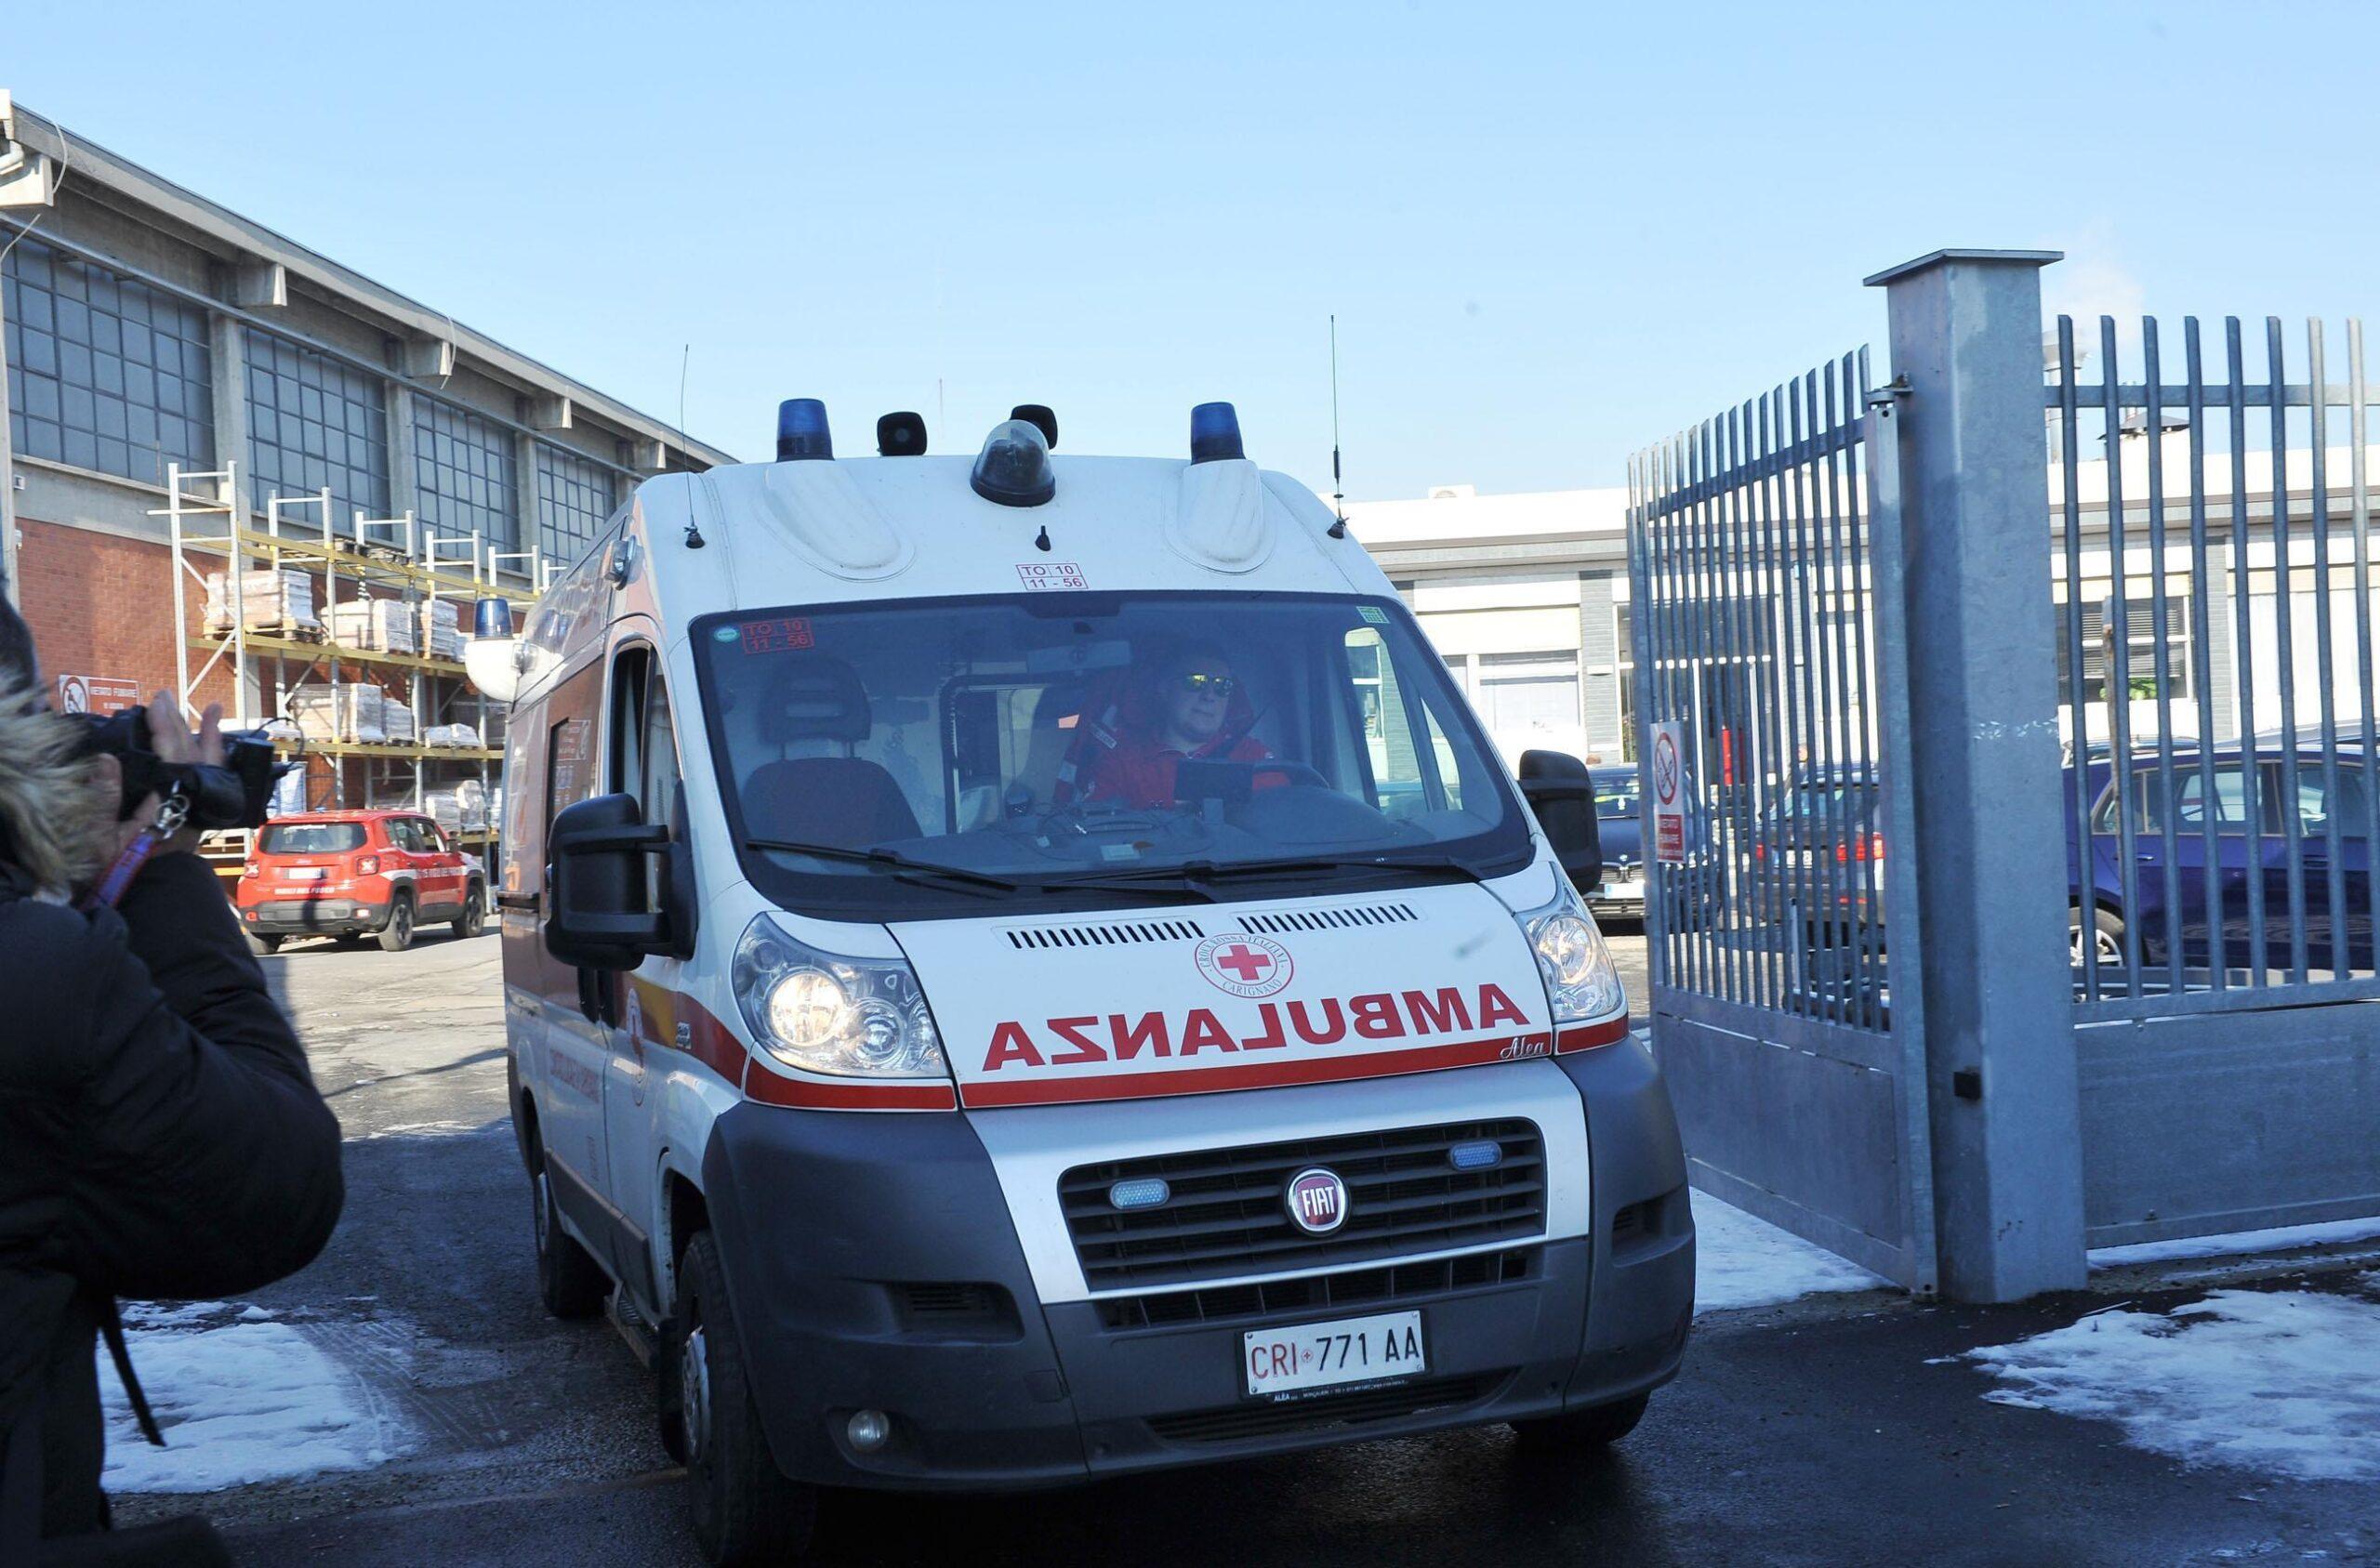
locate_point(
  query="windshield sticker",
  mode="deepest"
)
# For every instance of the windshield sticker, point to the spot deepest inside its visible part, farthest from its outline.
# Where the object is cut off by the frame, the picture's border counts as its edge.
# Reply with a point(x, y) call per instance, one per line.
point(1052, 576)
point(778, 636)
point(1373, 613)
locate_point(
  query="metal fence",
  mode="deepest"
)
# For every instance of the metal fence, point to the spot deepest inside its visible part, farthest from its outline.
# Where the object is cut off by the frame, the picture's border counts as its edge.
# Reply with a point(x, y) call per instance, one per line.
point(2210, 568)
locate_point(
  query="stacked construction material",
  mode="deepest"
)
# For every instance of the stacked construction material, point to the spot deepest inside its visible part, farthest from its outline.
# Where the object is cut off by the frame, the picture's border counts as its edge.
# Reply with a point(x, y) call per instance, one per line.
point(397, 723)
point(281, 602)
point(460, 810)
point(378, 626)
point(441, 629)
point(349, 713)
point(450, 735)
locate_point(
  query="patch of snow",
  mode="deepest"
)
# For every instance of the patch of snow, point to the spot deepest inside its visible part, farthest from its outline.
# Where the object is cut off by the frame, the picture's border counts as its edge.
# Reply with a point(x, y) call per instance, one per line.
point(243, 1401)
point(2279, 1239)
point(2278, 1382)
point(1741, 1262)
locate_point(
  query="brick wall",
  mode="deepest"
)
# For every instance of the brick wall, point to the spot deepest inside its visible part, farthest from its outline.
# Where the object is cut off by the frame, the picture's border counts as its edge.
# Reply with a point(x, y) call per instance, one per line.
point(102, 605)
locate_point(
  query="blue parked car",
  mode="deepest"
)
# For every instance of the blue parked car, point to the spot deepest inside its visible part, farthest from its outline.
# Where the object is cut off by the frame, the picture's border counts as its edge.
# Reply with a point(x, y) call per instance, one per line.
point(2246, 854)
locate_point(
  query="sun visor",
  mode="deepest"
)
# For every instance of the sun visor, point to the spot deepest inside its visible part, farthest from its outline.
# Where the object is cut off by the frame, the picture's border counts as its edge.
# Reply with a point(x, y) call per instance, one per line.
point(817, 509)
point(1219, 520)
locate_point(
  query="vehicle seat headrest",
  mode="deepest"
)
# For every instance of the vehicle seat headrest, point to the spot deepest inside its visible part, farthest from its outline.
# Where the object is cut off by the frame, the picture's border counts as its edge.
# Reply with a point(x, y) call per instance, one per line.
point(809, 698)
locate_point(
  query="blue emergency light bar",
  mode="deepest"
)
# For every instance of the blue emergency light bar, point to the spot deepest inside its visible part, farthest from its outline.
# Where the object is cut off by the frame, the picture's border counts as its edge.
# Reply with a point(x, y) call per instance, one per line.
point(802, 430)
point(1214, 432)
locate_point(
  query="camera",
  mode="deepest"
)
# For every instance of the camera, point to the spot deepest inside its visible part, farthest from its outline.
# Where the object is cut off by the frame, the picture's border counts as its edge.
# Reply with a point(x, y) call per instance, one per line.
point(234, 794)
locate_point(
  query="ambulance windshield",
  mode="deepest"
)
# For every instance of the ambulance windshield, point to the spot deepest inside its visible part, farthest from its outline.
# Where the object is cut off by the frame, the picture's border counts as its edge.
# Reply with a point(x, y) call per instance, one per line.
point(1077, 749)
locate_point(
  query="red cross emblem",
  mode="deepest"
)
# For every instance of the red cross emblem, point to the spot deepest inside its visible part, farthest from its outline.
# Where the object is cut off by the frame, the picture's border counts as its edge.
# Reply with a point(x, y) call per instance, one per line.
point(1244, 962)
point(1249, 966)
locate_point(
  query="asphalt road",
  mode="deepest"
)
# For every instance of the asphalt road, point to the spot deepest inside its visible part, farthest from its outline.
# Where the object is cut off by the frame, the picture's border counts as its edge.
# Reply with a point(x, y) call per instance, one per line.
point(1820, 1432)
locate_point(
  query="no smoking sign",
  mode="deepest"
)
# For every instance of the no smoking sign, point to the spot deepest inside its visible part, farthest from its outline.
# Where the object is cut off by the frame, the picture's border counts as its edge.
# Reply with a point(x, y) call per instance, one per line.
point(1669, 796)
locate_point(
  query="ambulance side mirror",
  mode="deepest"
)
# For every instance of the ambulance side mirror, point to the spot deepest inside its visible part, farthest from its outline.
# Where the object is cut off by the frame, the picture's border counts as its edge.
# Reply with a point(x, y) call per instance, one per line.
point(604, 858)
point(1562, 793)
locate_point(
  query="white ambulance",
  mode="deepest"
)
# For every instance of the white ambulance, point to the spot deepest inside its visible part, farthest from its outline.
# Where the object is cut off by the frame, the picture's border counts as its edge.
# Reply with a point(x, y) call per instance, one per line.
point(1022, 968)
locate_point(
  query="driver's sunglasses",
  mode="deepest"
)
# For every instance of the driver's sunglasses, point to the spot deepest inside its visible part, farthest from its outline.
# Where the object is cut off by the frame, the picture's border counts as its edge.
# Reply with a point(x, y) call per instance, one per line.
point(1210, 685)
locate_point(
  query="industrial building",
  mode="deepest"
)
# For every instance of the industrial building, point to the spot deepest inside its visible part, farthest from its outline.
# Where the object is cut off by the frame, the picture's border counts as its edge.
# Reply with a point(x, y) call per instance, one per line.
point(150, 333)
point(1527, 598)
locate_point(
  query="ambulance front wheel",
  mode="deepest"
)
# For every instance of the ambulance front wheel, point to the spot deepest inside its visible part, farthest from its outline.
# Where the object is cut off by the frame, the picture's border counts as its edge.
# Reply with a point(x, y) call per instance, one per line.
point(1595, 1428)
point(745, 1510)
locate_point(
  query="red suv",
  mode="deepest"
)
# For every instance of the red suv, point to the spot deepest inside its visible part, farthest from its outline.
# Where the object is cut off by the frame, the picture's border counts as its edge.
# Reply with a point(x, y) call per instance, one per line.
point(345, 873)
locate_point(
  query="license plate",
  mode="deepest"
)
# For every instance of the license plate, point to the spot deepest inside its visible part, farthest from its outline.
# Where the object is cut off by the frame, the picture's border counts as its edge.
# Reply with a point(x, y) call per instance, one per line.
point(1276, 1362)
point(1621, 892)
point(302, 872)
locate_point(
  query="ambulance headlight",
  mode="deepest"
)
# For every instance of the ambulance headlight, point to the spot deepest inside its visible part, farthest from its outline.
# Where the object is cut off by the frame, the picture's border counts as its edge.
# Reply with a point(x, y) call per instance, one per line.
point(824, 1012)
point(1580, 979)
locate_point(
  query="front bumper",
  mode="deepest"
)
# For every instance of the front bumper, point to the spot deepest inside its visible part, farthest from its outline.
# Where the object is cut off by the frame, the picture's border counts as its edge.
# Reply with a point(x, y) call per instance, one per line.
point(335, 915)
point(848, 1239)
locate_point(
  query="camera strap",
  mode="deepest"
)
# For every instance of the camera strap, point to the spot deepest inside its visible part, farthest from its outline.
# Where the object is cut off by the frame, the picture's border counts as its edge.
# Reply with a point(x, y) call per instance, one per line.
point(172, 813)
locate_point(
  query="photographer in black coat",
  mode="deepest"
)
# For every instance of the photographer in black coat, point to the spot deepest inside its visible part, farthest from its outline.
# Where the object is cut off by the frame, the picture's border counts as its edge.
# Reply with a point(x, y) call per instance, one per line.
point(160, 1135)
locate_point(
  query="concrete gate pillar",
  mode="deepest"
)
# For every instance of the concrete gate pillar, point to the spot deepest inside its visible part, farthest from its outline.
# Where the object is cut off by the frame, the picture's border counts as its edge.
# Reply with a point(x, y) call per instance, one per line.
point(1990, 855)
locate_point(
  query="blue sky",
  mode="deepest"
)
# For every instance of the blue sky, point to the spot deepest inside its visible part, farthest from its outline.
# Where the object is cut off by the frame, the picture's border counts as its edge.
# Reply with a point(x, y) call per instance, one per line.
point(1550, 233)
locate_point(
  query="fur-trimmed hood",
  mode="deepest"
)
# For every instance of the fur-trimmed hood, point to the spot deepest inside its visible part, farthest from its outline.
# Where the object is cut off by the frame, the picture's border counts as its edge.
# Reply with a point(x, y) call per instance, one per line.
point(45, 793)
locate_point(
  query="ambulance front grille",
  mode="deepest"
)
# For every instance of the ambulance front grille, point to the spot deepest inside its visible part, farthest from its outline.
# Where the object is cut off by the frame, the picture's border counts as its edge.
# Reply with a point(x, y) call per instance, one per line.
point(1227, 1215)
point(1258, 1299)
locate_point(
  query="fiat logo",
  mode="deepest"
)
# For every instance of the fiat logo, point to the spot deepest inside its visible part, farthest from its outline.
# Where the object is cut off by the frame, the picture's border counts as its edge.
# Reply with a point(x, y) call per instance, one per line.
point(1316, 1201)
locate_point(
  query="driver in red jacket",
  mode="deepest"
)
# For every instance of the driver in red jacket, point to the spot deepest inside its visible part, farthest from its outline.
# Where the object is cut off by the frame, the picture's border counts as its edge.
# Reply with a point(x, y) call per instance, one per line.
point(1190, 706)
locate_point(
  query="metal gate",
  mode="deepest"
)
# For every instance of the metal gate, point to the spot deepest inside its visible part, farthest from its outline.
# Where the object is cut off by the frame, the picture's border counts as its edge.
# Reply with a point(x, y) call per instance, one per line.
point(2213, 565)
point(1764, 551)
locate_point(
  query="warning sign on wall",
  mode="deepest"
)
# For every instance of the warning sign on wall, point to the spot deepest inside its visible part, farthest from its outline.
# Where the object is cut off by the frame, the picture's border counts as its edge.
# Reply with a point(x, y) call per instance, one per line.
point(101, 694)
point(1669, 796)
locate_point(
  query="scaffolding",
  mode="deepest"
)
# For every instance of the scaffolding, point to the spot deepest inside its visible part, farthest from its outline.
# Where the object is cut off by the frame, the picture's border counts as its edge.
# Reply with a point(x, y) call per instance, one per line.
point(287, 669)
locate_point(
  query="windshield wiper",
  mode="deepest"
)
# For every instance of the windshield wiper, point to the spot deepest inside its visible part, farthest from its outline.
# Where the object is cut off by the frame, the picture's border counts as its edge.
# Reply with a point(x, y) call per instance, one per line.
point(900, 865)
point(928, 872)
point(1194, 874)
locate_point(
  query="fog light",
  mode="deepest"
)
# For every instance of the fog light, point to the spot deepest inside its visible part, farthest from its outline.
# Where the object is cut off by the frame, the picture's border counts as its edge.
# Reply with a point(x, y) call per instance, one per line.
point(869, 1431)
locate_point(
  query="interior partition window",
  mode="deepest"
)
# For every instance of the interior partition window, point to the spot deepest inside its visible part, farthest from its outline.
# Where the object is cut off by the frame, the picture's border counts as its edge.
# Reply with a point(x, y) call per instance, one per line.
point(316, 423)
point(463, 469)
point(573, 499)
point(104, 371)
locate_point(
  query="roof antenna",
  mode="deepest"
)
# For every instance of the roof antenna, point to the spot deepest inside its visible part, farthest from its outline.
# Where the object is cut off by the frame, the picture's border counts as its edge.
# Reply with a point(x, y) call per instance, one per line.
point(1338, 490)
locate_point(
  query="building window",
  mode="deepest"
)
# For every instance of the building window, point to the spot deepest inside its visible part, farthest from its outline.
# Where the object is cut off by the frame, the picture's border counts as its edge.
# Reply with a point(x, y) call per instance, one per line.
point(463, 469)
point(1624, 653)
point(2140, 652)
point(104, 371)
point(315, 423)
point(573, 499)
point(1530, 700)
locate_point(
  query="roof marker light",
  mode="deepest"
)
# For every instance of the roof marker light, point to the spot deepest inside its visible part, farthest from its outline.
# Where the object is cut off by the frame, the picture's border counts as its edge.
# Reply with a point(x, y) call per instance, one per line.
point(1145, 1192)
point(1214, 432)
point(802, 430)
point(901, 435)
point(1476, 1156)
point(1013, 468)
